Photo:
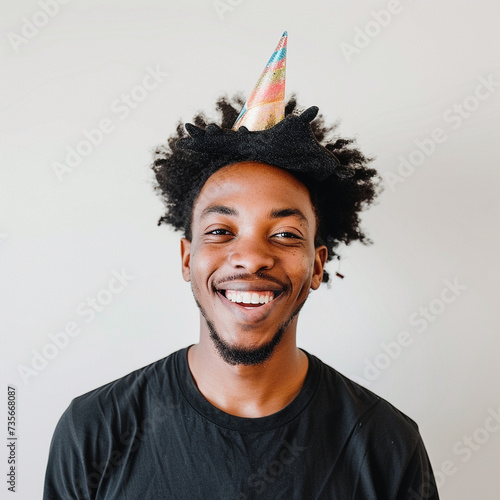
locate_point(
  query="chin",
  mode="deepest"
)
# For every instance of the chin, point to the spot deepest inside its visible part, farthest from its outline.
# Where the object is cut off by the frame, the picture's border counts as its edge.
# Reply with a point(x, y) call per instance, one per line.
point(248, 356)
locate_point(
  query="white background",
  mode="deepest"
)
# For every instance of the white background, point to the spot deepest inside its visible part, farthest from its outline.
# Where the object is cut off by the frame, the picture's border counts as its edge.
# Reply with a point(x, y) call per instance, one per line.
point(61, 238)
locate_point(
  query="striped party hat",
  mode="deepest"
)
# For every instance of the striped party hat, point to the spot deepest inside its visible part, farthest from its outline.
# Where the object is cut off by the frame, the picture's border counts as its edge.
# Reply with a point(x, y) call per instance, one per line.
point(266, 105)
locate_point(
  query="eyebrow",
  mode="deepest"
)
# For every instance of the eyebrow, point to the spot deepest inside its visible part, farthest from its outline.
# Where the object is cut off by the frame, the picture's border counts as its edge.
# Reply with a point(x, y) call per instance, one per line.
point(275, 214)
point(289, 212)
point(218, 209)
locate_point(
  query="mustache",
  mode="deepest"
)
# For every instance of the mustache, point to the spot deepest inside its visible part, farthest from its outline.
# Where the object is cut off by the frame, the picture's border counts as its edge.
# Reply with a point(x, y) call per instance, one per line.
point(262, 275)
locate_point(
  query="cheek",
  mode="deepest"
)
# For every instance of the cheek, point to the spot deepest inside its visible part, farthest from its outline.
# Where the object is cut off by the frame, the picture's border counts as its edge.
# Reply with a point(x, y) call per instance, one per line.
point(204, 262)
point(302, 269)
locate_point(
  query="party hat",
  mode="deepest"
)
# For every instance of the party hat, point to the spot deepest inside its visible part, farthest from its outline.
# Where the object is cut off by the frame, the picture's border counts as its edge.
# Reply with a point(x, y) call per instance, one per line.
point(266, 105)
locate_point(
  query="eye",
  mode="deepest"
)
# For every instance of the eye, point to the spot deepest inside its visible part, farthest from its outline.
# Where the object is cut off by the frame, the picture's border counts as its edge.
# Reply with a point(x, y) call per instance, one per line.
point(219, 232)
point(287, 234)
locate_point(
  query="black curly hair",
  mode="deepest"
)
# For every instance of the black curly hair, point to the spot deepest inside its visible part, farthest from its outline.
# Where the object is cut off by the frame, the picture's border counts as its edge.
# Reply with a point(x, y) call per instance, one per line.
point(338, 201)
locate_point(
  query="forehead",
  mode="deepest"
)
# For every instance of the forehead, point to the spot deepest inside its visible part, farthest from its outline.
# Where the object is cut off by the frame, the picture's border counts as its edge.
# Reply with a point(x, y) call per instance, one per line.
point(256, 184)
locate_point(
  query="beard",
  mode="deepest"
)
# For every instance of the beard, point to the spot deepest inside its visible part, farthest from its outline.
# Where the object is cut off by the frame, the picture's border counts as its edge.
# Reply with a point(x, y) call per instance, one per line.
point(241, 355)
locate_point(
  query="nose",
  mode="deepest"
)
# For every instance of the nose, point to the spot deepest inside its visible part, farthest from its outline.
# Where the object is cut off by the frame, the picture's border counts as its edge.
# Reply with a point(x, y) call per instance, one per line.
point(250, 256)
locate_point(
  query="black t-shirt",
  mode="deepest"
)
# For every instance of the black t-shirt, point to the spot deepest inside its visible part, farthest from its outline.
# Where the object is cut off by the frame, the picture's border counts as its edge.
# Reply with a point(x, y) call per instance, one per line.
point(152, 435)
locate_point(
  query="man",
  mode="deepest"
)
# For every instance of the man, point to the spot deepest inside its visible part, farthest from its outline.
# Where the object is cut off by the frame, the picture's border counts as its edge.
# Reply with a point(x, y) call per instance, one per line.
point(245, 413)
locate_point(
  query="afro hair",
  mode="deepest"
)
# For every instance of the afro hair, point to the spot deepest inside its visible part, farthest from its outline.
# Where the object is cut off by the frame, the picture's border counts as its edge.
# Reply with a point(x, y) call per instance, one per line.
point(338, 201)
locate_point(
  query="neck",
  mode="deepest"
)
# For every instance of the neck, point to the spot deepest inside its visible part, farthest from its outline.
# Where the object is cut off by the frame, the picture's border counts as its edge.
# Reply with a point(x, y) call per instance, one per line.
point(249, 391)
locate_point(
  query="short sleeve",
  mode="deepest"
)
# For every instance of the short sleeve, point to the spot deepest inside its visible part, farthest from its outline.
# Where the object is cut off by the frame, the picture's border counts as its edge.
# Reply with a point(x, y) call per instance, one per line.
point(418, 480)
point(65, 474)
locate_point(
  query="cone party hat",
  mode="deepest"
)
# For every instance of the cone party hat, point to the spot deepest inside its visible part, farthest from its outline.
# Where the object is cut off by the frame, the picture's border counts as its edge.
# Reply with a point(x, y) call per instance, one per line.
point(266, 105)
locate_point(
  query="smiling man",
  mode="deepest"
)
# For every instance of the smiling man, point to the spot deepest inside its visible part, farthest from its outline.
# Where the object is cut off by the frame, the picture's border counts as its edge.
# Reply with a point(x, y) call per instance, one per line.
point(252, 261)
point(263, 200)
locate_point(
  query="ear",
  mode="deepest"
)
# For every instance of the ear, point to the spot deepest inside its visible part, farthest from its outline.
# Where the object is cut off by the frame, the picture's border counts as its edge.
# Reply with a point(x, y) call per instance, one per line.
point(186, 259)
point(319, 264)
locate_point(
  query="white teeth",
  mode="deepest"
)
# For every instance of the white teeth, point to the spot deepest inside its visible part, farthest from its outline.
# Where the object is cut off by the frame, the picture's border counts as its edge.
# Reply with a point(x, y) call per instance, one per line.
point(249, 297)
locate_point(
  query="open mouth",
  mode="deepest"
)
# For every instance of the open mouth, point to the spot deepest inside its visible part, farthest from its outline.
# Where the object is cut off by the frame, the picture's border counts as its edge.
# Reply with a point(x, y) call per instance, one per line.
point(250, 298)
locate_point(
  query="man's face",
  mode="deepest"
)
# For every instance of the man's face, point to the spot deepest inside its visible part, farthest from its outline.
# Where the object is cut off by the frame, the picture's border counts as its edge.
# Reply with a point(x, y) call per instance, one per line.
point(252, 260)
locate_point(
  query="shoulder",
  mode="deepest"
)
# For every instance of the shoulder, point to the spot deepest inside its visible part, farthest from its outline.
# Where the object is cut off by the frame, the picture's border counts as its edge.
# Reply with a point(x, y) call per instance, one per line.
point(108, 421)
point(375, 437)
point(124, 400)
point(367, 413)
point(106, 425)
